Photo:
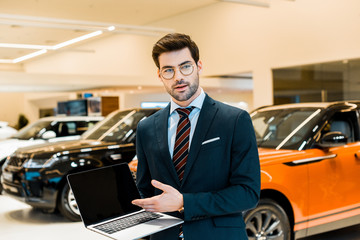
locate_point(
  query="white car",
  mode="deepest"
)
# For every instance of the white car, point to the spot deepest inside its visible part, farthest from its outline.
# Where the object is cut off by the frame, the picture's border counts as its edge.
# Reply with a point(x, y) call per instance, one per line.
point(6, 131)
point(48, 129)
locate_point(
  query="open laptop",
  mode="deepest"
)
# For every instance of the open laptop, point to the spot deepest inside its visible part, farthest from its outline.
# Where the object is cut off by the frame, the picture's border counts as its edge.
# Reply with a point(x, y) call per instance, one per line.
point(104, 196)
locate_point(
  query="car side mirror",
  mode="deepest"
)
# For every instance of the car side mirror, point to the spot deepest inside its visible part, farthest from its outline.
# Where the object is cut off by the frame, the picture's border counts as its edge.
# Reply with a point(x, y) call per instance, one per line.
point(332, 139)
point(48, 135)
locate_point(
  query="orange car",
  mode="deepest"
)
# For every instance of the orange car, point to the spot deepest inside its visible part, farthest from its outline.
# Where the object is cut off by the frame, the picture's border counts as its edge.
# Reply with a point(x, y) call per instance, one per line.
point(310, 165)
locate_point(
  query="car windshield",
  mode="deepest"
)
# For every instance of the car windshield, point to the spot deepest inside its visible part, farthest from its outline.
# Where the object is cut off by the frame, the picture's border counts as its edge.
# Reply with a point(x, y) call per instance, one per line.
point(284, 128)
point(118, 127)
point(32, 131)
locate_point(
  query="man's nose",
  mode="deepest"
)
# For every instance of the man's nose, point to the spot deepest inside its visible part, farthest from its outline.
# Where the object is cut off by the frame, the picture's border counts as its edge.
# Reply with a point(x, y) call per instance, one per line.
point(178, 75)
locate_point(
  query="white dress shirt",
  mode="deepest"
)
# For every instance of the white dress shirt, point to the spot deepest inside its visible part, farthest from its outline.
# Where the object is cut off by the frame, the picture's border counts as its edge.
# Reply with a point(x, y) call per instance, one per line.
point(174, 119)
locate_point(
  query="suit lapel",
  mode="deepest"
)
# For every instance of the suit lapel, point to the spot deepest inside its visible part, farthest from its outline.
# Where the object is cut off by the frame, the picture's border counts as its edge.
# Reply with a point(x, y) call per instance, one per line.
point(161, 132)
point(206, 117)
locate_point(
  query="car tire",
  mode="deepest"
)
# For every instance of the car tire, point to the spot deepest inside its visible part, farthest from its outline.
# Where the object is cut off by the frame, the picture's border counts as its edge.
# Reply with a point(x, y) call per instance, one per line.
point(67, 205)
point(2, 161)
point(1, 186)
point(267, 221)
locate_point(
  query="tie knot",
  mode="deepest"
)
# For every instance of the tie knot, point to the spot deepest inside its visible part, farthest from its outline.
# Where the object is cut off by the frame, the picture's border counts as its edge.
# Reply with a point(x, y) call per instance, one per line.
point(184, 112)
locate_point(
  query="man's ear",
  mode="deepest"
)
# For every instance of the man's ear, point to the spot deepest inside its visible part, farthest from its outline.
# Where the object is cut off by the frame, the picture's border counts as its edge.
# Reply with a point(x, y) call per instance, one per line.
point(199, 65)
point(158, 74)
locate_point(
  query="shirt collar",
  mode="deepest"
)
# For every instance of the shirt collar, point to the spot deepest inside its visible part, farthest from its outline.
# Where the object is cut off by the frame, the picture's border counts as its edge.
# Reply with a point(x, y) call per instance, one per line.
point(197, 102)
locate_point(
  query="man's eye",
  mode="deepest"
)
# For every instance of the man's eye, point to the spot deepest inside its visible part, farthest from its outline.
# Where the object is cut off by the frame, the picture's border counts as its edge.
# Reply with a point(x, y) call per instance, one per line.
point(168, 70)
point(186, 66)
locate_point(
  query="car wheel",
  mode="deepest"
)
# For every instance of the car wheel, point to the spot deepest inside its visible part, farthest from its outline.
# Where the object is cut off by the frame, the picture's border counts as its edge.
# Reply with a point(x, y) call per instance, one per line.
point(67, 204)
point(2, 161)
point(267, 221)
point(1, 186)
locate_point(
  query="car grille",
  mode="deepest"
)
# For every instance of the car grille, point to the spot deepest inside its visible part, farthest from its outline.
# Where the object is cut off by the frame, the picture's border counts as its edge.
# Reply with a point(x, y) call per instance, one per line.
point(17, 161)
point(133, 175)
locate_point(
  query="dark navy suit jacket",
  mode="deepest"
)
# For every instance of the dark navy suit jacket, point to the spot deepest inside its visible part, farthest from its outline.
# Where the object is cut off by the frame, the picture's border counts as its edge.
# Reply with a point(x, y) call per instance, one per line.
point(222, 173)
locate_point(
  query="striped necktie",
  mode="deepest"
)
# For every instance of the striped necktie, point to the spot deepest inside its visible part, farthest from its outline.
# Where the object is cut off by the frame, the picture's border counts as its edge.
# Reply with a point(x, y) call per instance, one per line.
point(181, 148)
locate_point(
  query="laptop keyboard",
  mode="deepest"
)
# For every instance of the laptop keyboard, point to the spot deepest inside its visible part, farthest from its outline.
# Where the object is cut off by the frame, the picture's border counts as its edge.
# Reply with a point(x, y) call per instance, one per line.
point(123, 223)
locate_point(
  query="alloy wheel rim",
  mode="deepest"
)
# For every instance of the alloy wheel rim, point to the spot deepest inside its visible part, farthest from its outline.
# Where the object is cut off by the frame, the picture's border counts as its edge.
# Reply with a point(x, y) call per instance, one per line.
point(264, 225)
point(72, 202)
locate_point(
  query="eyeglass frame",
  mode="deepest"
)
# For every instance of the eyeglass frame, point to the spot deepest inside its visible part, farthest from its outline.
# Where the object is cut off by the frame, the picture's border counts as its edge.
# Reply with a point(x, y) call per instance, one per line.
point(178, 68)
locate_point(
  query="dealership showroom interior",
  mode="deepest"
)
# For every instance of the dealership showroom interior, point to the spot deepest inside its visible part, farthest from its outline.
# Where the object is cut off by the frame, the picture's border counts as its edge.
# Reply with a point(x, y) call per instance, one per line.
point(76, 78)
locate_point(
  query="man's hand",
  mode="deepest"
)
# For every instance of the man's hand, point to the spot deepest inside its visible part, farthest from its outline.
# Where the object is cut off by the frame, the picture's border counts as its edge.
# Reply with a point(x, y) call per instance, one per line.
point(169, 201)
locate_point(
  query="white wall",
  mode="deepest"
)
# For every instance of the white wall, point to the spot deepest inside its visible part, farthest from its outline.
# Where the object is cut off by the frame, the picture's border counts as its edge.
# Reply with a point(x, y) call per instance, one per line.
point(29, 104)
point(238, 99)
point(11, 105)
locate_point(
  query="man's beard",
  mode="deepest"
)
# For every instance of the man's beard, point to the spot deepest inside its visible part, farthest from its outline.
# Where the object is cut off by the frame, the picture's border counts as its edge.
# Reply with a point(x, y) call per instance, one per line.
point(187, 95)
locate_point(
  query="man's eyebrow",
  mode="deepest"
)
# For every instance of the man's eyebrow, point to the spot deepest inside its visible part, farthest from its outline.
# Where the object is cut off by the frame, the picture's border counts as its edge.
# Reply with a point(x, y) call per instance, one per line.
point(184, 63)
point(178, 65)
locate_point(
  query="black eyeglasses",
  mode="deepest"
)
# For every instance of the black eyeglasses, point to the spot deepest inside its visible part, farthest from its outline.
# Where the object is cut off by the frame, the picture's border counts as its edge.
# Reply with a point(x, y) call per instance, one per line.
point(186, 69)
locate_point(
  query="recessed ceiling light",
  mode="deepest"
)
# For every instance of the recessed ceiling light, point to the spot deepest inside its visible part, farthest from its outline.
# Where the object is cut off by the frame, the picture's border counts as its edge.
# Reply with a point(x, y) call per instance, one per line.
point(111, 28)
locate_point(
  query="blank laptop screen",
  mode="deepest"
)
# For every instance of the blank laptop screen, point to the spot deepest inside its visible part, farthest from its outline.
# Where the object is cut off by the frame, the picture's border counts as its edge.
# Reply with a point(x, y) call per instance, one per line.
point(104, 193)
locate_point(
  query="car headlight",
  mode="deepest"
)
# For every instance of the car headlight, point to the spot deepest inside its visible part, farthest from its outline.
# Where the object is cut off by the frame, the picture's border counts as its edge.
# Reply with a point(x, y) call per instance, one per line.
point(5, 163)
point(43, 163)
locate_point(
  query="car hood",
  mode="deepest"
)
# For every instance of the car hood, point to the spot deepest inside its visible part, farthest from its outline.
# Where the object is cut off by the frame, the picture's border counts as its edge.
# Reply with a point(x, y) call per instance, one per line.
point(67, 146)
point(272, 156)
point(9, 146)
point(6, 132)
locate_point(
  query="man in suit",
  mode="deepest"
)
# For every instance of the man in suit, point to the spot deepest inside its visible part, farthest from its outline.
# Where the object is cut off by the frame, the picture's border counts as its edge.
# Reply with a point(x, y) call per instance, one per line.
point(218, 176)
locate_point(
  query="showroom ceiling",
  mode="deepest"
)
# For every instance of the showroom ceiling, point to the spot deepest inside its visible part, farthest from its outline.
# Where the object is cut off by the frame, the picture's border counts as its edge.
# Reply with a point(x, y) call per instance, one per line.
point(35, 27)
point(30, 26)
point(39, 27)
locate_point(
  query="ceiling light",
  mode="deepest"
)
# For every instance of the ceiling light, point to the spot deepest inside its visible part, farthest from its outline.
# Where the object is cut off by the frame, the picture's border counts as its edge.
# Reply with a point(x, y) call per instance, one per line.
point(26, 46)
point(75, 40)
point(43, 48)
point(6, 61)
point(31, 55)
point(250, 2)
point(111, 28)
point(97, 27)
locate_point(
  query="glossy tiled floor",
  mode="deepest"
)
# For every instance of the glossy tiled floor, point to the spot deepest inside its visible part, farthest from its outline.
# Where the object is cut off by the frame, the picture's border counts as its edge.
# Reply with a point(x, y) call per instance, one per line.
point(18, 221)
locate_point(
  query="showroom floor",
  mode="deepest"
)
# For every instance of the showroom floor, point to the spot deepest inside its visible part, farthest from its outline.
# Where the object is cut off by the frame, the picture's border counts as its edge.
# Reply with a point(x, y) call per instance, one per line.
point(19, 221)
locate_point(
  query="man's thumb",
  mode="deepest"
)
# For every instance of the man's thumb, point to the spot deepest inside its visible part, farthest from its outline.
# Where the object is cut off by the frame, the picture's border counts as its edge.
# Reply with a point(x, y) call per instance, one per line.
point(160, 185)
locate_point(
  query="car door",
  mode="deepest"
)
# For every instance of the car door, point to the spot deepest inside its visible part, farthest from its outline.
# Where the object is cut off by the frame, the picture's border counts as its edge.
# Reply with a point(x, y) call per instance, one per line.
point(334, 182)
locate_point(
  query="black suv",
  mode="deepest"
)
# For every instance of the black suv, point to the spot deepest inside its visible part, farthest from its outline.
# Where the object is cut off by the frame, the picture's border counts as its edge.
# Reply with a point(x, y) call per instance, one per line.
point(37, 174)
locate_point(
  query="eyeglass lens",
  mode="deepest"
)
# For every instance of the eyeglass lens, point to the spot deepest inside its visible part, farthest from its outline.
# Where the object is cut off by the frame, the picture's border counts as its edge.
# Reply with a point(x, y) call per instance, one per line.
point(185, 69)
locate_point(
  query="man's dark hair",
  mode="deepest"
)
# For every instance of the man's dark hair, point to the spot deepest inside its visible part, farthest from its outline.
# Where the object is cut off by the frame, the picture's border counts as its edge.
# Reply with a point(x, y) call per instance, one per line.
point(174, 42)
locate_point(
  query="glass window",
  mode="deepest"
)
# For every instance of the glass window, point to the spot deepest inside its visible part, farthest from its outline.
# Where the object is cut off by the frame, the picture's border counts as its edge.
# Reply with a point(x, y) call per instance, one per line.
point(345, 123)
point(283, 128)
point(117, 128)
point(82, 126)
point(33, 131)
point(322, 82)
point(67, 129)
